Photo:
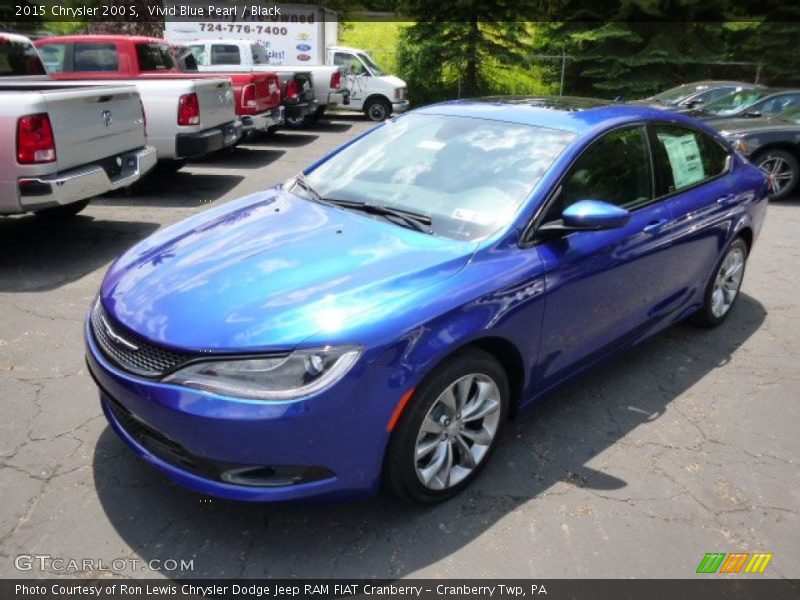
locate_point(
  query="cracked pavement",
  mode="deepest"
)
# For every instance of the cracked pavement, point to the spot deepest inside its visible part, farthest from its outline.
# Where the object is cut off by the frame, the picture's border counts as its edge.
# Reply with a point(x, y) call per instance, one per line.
point(688, 444)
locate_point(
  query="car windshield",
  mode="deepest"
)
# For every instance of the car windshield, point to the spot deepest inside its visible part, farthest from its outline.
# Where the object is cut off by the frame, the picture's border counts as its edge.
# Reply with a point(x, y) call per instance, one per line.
point(676, 94)
point(468, 175)
point(734, 102)
point(371, 64)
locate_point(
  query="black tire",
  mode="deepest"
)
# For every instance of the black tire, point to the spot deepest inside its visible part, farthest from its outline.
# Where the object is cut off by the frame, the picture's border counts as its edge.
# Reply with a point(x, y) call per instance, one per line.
point(705, 317)
point(763, 161)
point(400, 467)
point(319, 113)
point(62, 212)
point(378, 109)
point(297, 122)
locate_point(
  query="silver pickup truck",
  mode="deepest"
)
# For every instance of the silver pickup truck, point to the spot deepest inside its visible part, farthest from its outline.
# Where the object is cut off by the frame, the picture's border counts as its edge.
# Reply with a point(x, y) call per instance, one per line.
point(64, 142)
point(185, 117)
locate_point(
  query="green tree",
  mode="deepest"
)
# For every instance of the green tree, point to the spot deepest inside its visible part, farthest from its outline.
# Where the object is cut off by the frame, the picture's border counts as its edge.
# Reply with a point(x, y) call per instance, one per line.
point(455, 44)
point(765, 41)
point(642, 47)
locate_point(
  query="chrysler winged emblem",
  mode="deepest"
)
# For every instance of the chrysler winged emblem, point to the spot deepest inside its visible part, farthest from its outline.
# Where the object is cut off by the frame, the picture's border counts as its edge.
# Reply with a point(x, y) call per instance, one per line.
point(117, 338)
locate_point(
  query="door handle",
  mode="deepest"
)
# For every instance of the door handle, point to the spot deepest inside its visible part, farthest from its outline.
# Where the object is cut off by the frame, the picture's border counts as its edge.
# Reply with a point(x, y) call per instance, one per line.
point(726, 199)
point(655, 226)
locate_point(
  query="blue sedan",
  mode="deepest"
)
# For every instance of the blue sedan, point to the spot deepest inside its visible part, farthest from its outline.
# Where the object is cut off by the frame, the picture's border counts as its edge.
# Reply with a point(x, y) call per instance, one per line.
point(378, 317)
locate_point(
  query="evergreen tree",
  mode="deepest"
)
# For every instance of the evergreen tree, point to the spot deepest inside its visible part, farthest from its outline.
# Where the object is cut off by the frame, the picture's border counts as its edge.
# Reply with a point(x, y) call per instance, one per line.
point(460, 40)
point(642, 48)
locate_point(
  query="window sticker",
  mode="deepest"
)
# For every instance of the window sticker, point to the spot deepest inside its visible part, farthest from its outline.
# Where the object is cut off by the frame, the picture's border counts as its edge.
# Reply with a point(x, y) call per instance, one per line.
point(474, 216)
point(684, 158)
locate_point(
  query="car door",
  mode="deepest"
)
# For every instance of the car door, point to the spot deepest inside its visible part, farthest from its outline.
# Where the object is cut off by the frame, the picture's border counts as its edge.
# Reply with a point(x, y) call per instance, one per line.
point(603, 287)
point(691, 168)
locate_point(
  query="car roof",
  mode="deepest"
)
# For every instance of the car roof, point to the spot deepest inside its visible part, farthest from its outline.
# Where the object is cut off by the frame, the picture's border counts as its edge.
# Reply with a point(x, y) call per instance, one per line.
point(136, 39)
point(14, 37)
point(567, 119)
point(567, 103)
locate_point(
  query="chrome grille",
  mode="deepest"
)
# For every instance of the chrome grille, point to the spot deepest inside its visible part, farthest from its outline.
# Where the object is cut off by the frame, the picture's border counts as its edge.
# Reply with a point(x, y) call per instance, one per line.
point(129, 351)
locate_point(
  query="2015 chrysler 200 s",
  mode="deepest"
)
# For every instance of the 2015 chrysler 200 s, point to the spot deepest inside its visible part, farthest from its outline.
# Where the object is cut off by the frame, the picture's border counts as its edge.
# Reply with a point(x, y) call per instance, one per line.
point(380, 315)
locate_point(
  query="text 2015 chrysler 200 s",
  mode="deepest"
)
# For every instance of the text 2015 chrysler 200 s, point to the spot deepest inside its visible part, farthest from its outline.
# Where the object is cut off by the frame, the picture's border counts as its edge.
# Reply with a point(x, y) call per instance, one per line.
point(377, 317)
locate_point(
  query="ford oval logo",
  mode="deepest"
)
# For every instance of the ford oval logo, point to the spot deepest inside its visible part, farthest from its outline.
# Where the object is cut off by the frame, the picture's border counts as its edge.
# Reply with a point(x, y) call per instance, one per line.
point(303, 57)
point(303, 47)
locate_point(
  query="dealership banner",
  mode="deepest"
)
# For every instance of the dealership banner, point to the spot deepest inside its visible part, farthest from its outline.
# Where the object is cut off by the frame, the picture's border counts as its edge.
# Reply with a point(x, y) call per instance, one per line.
point(423, 589)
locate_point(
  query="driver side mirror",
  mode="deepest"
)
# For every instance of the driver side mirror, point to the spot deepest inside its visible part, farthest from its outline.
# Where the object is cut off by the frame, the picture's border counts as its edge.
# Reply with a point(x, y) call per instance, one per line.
point(588, 215)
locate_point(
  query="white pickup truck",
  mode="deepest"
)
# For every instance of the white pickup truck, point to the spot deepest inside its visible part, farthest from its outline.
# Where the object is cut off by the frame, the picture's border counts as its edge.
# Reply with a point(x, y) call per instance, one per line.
point(329, 81)
point(185, 117)
point(65, 142)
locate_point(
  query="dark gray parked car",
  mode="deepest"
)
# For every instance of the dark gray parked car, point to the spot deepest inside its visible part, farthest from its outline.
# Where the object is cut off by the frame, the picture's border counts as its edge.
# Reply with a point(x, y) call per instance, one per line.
point(751, 102)
point(771, 143)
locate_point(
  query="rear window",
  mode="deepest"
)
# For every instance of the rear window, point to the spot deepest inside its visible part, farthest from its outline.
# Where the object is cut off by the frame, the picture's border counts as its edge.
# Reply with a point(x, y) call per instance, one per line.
point(260, 54)
point(94, 56)
point(154, 57)
point(225, 54)
point(18, 58)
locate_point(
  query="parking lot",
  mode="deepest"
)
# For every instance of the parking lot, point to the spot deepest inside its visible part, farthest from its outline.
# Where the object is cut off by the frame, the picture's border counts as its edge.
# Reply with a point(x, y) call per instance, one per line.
point(687, 445)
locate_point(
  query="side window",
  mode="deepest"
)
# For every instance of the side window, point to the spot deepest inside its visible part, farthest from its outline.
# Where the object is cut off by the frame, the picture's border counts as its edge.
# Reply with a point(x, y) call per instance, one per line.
point(686, 157)
point(778, 105)
point(614, 169)
point(350, 62)
point(199, 53)
point(154, 57)
point(224, 54)
point(54, 57)
point(716, 94)
point(92, 56)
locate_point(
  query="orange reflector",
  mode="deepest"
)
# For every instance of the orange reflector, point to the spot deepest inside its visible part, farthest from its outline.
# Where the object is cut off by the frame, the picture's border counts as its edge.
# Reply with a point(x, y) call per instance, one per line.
point(398, 410)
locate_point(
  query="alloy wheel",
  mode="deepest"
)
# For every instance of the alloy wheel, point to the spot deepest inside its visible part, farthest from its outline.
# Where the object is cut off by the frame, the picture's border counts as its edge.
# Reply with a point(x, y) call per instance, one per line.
point(457, 431)
point(727, 282)
point(779, 172)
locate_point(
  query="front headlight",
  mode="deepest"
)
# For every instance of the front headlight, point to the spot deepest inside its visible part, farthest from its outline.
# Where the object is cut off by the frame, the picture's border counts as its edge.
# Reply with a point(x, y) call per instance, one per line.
point(301, 373)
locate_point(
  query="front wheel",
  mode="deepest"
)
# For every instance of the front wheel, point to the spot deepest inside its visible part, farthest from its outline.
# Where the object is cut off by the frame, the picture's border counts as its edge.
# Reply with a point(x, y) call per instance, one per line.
point(64, 211)
point(723, 288)
point(449, 428)
point(782, 169)
point(378, 110)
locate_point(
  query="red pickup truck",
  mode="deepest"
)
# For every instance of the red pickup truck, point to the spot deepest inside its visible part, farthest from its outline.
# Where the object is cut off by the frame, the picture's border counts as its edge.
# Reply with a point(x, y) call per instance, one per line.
point(257, 98)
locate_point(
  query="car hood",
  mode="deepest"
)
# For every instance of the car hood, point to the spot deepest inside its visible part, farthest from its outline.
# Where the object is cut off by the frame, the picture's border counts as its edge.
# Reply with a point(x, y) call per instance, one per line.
point(268, 271)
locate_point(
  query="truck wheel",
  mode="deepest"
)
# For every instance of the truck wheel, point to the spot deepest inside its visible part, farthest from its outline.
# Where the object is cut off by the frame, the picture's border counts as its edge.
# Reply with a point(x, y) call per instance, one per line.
point(782, 169)
point(378, 109)
point(319, 113)
point(62, 212)
point(297, 122)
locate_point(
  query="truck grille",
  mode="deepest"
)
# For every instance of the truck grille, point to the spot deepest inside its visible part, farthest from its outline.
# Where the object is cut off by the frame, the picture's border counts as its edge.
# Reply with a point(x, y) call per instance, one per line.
point(129, 351)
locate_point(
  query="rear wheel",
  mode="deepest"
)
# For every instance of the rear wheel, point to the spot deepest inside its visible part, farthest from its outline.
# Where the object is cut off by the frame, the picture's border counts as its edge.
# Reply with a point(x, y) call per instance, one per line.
point(62, 212)
point(378, 109)
point(449, 429)
point(723, 288)
point(297, 122)
point(782, 169)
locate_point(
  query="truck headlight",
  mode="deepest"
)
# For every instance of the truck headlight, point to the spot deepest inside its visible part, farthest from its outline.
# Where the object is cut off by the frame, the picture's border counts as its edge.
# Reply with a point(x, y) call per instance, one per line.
point(400, 93)
point(301, 373)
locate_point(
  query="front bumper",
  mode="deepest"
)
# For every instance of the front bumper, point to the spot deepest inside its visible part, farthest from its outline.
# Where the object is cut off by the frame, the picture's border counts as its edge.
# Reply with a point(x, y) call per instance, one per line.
point(301, 110)
point(208, 140)
point(338, 434)
point(36, 193)
point(400, 106)
point(264, 120)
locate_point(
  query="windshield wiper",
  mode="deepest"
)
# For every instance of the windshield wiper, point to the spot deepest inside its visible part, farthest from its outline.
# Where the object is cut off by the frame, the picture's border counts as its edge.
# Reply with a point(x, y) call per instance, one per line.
point(413, 220)
point(300, 181)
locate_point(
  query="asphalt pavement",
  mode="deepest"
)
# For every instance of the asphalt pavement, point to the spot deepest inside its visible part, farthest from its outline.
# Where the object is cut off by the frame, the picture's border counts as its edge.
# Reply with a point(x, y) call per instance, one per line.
point(687, 445)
